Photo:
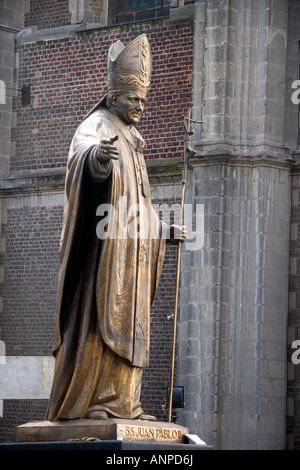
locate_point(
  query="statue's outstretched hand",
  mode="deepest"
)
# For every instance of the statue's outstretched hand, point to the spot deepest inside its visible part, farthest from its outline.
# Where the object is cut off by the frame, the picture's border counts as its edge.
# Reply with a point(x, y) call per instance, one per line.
point(106, 149)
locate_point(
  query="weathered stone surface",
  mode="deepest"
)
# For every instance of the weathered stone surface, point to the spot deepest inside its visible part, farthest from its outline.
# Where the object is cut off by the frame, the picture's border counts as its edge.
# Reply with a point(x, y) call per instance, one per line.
point(233, 303)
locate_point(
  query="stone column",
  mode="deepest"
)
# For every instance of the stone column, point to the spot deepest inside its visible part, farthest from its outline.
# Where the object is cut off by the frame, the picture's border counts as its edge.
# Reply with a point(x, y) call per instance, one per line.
point(11, 23)
point(232, 330)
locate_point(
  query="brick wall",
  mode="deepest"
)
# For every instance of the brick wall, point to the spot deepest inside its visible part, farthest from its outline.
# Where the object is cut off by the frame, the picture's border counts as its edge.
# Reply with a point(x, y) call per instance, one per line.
point(16, 412)
point(29, 289)
point(31, 262)
point(48, 13)
point(30, 231)
point(156, 376)
point(67, 77)
point(97, 7)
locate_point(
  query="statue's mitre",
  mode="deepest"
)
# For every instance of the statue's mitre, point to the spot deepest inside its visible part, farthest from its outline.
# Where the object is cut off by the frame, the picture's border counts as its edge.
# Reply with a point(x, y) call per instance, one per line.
point(129, 67)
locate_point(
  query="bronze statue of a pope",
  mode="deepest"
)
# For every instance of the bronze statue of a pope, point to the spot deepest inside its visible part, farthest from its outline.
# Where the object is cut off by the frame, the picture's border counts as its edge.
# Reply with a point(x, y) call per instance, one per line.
point(108, 278)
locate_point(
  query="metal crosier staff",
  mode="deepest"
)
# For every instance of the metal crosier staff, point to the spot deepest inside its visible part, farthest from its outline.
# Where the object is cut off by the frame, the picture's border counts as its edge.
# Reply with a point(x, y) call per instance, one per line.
point(188, 153)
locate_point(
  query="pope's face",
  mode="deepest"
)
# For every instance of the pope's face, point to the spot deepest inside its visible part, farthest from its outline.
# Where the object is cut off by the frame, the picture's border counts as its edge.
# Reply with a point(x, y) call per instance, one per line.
point(129, 106)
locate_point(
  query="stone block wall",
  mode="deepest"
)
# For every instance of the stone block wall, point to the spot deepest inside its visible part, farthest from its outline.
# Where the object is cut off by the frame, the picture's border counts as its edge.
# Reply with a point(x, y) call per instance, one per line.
point(233, 316)
point(233, 328)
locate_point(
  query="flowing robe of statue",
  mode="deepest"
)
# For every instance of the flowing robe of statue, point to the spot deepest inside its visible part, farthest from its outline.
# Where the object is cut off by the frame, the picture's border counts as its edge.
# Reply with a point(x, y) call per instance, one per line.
point(106, 285)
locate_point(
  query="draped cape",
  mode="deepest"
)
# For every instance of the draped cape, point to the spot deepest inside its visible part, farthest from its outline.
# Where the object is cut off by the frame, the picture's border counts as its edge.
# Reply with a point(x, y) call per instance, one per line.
point(111, 199)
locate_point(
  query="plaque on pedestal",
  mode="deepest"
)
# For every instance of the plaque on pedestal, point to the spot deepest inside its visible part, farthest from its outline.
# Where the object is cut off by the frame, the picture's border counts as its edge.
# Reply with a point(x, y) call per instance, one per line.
point(128, 430)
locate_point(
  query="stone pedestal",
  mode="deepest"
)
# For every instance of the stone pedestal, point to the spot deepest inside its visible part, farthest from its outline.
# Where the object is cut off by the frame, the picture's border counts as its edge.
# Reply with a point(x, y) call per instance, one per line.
point(111, 429)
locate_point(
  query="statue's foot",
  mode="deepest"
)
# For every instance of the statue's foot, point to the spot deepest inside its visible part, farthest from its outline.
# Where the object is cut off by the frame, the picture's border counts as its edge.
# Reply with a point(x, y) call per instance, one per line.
point(97, 415)
point(145, 417)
